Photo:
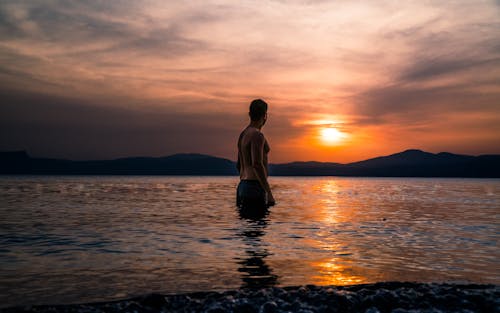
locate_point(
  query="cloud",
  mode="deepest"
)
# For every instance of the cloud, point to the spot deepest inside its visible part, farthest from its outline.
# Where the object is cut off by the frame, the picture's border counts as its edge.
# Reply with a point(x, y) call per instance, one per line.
point(52, 126)
point(445, 68)
point(427, 69)
point(128, 66)
point(60, 22)
point(86, 29)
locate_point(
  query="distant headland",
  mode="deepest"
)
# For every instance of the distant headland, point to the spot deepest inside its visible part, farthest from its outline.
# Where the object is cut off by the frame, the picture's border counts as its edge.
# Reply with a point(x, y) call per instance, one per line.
point(409, 163)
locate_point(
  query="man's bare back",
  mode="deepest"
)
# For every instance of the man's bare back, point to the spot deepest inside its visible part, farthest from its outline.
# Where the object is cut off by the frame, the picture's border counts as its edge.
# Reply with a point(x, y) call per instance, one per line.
point(251, 137)
point(252, 159)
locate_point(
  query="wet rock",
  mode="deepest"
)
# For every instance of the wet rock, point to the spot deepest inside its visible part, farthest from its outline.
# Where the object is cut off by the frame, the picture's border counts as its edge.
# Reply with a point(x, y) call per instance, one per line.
point(302, 290)
point(263, 293)
point(281, 303)
point(269, 307)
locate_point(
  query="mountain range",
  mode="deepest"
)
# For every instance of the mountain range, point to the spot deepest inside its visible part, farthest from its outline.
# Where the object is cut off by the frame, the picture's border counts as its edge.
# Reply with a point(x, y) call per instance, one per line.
point(409, 163)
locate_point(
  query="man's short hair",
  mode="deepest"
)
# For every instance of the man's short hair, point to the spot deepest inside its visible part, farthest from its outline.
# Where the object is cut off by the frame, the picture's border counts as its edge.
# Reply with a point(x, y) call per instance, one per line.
point(258, 108)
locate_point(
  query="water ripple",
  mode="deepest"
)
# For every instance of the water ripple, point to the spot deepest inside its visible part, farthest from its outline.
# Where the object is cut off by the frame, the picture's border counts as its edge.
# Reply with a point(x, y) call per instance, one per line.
point(75, 239)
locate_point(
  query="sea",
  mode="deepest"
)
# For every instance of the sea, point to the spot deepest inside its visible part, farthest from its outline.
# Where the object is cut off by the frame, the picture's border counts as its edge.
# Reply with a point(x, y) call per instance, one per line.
point(75, 239)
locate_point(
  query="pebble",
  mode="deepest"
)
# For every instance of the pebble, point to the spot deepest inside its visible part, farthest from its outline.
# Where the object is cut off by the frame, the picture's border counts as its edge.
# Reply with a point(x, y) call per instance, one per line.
point(269, 307)
point(396, 297)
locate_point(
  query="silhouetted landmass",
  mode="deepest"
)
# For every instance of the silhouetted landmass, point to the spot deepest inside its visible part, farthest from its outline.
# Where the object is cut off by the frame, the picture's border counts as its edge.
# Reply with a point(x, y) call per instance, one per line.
point(179, 164)
point(410, 163)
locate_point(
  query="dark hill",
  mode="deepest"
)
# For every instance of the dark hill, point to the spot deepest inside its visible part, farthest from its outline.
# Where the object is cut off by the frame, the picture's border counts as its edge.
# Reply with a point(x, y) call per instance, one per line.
point(179, 164)
point(409, 163)
point(420, 163)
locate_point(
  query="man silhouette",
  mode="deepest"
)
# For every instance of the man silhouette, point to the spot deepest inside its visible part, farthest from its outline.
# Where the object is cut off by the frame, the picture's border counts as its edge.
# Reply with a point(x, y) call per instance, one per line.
point(253, 190)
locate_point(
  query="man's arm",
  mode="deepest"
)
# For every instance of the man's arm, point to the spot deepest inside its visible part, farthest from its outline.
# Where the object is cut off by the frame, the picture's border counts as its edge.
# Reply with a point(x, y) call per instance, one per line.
point(257, 152)
point(238, 163)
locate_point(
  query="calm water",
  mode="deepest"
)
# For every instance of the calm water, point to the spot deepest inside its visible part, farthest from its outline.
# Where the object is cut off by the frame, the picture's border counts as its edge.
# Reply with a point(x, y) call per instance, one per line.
point(80, 239)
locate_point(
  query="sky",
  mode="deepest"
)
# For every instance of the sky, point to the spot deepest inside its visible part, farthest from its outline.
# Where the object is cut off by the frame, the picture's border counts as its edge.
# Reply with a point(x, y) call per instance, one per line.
point(345, 80)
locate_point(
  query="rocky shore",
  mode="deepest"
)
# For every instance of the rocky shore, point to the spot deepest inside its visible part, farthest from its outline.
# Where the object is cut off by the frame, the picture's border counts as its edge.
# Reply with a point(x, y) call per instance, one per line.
point(396, 297)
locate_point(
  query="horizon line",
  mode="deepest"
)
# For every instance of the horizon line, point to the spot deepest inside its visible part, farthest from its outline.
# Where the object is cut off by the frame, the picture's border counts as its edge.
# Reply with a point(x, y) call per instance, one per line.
point(208, 155)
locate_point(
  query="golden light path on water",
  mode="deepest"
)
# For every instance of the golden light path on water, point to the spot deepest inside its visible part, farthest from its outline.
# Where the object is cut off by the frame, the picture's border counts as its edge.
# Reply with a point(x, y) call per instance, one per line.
point(82, 239)
point(332, 271)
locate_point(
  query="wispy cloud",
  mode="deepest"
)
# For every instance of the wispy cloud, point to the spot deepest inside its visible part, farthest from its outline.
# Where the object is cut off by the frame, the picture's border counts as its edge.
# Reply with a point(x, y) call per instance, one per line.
point(391, 70)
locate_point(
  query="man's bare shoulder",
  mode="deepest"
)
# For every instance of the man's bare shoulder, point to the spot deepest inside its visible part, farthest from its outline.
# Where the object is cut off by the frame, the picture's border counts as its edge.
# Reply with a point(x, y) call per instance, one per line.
point(253, 134)
point(256, 135)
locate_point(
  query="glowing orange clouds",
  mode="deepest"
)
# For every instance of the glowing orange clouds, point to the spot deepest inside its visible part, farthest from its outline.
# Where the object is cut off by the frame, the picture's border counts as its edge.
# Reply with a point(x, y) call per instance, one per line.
point(365, 79)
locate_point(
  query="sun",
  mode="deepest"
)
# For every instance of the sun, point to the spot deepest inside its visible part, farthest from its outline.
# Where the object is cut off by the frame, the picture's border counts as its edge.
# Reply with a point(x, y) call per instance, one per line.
point(332, 135)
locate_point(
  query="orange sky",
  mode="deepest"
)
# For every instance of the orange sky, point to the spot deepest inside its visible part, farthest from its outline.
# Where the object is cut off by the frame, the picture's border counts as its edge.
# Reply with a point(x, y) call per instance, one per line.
point(94, 79)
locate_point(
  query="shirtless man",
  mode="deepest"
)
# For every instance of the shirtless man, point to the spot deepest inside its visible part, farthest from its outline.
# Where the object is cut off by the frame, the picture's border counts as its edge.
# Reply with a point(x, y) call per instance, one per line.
point(253, 189)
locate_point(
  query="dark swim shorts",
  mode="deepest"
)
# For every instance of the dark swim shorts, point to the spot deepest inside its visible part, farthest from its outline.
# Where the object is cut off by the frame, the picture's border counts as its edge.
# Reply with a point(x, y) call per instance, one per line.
point(250, 194)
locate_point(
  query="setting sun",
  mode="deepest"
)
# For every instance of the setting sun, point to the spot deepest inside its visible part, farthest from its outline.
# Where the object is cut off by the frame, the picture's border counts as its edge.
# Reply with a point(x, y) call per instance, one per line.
point(331, 135)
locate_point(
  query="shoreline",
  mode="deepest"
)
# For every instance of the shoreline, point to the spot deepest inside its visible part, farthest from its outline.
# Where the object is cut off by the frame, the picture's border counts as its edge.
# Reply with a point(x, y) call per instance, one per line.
point(395, 297)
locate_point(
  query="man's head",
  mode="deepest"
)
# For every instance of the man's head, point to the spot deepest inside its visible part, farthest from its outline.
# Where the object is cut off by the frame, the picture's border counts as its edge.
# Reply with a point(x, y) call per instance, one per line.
point(258, 110)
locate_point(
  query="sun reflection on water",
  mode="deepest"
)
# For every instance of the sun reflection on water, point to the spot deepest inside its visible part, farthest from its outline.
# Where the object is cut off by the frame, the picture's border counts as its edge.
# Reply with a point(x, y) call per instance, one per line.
point(334, 272)
point(328, 205)
point(335, 208)
point(184, 234)
point(333, 212)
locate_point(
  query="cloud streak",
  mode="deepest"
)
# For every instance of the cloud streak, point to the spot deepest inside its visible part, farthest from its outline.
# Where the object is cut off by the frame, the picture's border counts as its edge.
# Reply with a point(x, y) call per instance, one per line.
point(173, 73)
